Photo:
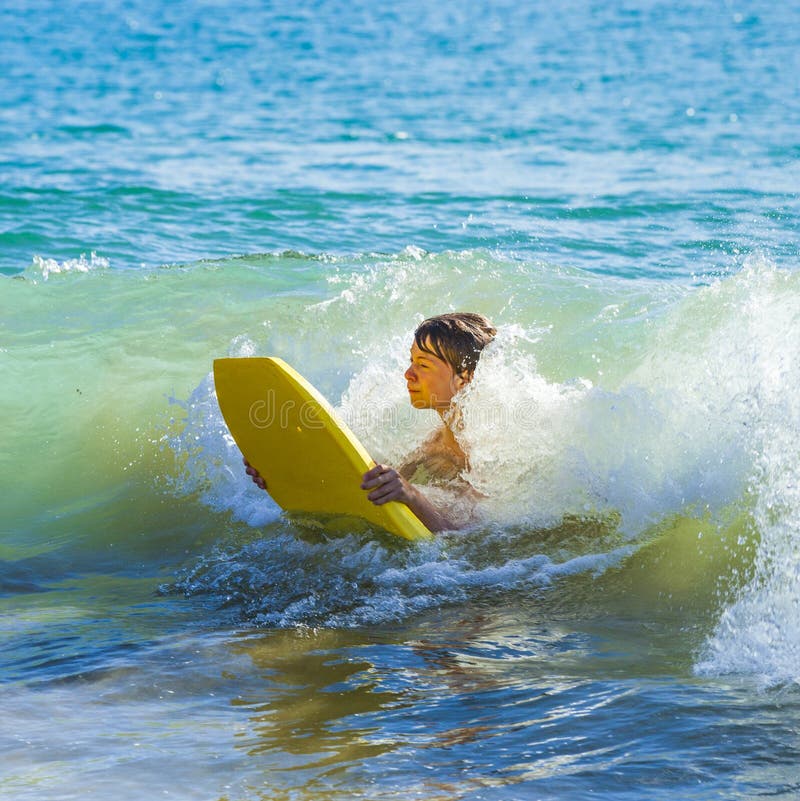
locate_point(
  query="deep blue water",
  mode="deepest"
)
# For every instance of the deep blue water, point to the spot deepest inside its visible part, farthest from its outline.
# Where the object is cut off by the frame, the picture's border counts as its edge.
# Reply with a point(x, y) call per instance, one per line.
point(643, 138)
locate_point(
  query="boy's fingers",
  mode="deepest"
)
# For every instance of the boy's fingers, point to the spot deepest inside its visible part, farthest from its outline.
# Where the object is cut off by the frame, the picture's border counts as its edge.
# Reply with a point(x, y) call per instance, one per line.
point(378, 491)
point(373, 472)
point(380, 496)
point(386, 490)
point(374, 477)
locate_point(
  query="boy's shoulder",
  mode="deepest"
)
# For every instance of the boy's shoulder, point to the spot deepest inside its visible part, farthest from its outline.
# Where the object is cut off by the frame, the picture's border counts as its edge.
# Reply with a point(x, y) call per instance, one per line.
point(435, 461)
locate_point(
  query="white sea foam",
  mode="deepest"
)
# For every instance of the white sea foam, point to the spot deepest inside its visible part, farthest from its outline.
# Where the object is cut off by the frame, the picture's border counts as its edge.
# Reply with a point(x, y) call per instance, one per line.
point(209, 462)
point(656, 445)
point(758, 634)
point(44, 268)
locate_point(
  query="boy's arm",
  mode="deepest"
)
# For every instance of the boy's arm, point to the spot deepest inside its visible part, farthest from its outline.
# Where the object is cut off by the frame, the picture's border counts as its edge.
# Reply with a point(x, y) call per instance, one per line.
point(386, 484)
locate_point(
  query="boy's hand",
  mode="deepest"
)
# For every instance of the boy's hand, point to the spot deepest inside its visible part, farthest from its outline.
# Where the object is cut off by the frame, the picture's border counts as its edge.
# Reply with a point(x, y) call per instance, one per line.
point(386, 485)
point(254, 474)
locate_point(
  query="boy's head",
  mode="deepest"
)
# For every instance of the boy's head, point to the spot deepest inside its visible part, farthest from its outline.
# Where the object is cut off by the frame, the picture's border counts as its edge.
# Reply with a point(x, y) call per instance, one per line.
point(457, 339)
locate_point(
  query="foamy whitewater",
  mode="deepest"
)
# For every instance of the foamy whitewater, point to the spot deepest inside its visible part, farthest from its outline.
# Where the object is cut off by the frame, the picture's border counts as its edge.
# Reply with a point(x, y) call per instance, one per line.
point(615, 187)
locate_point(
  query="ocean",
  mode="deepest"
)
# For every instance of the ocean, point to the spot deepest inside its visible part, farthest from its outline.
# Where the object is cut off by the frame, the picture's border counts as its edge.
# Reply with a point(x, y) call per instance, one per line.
point(615, 185)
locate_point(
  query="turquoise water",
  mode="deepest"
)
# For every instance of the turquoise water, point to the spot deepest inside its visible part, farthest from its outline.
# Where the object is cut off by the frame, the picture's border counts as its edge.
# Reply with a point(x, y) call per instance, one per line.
point(614, 185)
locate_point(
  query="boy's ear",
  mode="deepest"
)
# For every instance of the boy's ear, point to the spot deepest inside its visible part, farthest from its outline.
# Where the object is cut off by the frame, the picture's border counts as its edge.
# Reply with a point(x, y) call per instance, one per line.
point(463, 378)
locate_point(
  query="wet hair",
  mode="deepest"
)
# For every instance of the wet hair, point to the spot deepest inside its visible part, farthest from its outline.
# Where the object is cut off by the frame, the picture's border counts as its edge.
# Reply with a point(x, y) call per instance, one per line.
point(456, 338)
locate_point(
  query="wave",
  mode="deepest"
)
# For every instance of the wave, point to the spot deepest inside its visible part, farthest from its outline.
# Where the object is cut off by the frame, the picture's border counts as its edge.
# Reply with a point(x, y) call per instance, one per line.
point(673, 433)
point(661, 416)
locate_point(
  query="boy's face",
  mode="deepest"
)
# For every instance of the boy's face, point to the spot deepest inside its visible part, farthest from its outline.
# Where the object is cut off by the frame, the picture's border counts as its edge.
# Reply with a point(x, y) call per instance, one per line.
point(431, 382)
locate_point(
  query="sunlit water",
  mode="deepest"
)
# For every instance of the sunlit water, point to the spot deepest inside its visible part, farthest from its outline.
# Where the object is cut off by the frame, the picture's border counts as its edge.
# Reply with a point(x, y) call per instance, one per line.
point(614, 187)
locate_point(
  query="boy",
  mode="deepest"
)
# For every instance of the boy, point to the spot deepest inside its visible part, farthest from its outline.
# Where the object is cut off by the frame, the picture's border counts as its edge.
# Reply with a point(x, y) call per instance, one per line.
point(444, 356)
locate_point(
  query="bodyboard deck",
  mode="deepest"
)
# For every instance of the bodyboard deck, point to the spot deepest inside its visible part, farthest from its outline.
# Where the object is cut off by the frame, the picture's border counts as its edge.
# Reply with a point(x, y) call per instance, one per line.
point(310, 460)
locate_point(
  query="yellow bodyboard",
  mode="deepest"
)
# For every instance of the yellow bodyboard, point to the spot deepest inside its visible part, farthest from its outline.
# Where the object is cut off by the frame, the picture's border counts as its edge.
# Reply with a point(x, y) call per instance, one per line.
point(310, 460)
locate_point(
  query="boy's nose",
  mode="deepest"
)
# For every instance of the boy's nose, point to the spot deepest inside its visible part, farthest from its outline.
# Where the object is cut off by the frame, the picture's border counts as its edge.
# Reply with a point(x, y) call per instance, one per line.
point(409, 374)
